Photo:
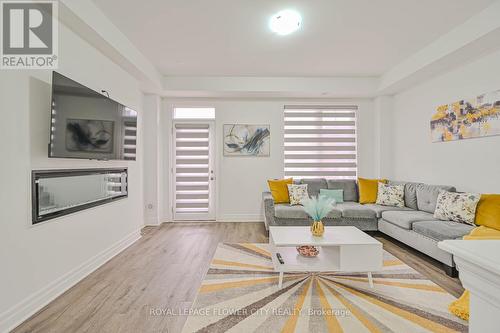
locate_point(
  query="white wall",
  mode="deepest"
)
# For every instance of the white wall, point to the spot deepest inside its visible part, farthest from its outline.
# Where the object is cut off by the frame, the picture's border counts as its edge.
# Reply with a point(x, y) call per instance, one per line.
point(151, 118)
point(383, 109)
point(470, 165)
point(241, 180)
point(38, 262)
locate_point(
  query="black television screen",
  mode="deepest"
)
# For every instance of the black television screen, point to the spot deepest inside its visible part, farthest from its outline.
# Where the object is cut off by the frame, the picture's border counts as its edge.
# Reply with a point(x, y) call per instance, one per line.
point(88, 125)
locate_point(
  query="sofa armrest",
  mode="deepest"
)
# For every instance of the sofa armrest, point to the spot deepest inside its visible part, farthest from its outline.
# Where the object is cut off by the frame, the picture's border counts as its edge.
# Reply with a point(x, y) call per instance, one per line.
point(268, 203)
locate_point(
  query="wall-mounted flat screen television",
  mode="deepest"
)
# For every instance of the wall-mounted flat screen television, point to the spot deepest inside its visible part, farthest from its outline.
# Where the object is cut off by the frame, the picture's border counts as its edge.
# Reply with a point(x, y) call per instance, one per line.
point(86, 124)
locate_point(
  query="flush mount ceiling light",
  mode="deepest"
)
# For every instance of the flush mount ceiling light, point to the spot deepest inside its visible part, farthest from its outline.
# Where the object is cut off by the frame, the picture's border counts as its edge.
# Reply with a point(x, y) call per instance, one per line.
point(285, 22)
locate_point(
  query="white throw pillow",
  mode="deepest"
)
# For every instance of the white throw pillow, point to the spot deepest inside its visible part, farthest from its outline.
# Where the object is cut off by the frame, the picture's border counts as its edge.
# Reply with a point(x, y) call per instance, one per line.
point(297, 193)
point(458, 207)
point(391, 195)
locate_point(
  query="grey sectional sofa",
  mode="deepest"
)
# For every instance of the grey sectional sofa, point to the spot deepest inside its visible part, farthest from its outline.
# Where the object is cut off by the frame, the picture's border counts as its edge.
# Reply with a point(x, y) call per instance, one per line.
point(413, 224)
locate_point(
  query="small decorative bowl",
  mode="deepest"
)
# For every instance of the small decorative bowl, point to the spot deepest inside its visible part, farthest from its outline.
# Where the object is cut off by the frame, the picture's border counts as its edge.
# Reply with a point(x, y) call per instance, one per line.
point(308, 251)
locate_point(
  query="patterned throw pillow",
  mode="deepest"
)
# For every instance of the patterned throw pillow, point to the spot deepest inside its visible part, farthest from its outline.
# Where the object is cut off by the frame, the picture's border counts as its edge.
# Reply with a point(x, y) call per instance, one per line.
point(391, 195)
point(458, 207)
point(297, 193)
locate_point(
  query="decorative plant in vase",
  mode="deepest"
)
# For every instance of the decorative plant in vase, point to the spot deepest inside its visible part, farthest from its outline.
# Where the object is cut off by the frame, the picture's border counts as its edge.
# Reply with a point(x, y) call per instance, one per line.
point(318, 208)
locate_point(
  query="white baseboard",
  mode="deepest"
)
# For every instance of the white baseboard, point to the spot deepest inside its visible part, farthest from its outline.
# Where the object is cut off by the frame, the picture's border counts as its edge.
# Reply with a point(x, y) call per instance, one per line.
point(30, 305)
point(152, 221)
point(240, 218)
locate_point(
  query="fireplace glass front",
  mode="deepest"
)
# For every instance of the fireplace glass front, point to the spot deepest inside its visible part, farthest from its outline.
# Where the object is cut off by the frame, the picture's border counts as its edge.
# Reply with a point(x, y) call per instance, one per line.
point(61, 192)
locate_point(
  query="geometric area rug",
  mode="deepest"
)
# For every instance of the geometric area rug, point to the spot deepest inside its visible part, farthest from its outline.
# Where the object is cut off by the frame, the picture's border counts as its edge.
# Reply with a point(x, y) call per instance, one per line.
point(240, 294)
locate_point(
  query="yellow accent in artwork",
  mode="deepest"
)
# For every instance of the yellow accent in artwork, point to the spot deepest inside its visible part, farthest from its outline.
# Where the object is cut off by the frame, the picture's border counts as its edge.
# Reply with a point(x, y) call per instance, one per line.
point(467, 118)
point(440, 112)
point(448, 136)
point(486, 127)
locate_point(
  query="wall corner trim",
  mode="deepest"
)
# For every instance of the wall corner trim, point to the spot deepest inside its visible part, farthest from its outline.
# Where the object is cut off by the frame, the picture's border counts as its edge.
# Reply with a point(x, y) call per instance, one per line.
point(30, 305)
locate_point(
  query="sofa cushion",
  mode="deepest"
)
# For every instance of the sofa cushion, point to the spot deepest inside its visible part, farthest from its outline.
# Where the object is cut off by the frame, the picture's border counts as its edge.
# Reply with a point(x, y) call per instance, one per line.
point(334, 214)
point(355, 210)
point(391, 195)
point(488, 211)
point(378, 209)
point(289, 212)
point(286, 211)
point(410, 193)
point(457, 207)
point(297, 193)
point(442, 230)
point(337, 195)
point(483, 232)
point(368, 189)
point(279, 189)
point(349, 186)
point(405, 219)
point(427, 196)
point(314, 185)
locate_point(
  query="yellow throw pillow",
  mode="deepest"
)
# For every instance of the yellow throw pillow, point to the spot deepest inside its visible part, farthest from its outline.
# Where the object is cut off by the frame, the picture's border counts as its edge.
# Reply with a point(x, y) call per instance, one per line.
point(482, 232)
point(488, 211)
point(279, 189)
point(368, 189)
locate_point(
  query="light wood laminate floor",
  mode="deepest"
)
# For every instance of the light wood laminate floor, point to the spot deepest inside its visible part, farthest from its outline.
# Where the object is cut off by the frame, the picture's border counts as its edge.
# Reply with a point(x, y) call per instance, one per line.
point(148, 286)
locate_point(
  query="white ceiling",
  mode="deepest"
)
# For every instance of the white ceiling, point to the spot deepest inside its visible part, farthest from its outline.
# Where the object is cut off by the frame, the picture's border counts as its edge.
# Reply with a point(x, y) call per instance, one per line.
point(231, 37)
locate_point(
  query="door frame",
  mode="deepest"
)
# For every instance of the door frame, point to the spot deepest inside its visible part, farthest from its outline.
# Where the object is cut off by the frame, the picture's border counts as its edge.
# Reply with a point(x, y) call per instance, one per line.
point(212, 184)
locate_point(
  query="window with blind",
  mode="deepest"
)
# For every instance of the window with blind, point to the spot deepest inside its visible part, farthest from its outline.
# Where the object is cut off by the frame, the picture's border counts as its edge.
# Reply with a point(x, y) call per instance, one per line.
point(320, 142)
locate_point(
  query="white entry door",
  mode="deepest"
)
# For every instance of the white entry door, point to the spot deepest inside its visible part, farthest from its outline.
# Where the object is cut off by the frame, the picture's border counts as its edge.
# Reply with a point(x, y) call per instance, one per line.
point(193, 171)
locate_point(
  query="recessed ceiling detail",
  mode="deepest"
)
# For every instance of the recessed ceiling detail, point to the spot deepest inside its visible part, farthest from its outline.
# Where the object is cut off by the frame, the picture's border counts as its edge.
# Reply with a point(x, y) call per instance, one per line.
point(338, 38)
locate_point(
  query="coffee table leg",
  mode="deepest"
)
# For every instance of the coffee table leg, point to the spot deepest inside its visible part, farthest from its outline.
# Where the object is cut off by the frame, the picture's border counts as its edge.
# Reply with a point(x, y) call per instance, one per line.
point(280, 281)
point(370, 279)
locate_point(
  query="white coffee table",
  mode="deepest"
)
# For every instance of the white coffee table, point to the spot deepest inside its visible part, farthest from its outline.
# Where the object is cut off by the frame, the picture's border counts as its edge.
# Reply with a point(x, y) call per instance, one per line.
point(478, 262)
point(341, 249)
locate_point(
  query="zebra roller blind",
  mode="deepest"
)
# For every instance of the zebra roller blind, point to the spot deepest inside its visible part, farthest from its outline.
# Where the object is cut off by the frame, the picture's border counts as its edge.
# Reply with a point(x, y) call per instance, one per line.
point(192, 162)
point(320, 142)
point(130, 140)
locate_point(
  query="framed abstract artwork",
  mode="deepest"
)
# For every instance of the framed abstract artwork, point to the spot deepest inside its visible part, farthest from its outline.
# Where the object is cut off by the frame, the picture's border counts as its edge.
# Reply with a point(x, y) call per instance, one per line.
point(246, 140)
point(88, 135)
point(468, 118)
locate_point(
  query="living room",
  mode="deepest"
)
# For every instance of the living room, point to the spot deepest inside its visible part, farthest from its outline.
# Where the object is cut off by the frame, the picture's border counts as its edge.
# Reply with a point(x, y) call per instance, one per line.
point(292, 166)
